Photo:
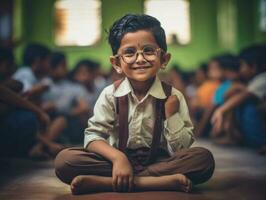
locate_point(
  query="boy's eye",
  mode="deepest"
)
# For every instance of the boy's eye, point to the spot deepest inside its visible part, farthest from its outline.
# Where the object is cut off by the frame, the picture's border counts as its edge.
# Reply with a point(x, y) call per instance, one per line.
point(149, 50)
point(129, 52)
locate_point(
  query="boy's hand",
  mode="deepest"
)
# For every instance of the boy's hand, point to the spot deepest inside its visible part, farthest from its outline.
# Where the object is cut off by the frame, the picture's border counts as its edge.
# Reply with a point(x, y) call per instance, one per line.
point(122, 175)
point(171, 106)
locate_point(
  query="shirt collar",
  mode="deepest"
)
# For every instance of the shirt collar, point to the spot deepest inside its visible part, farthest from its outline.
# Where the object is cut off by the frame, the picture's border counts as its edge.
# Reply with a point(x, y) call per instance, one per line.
point(156, 89)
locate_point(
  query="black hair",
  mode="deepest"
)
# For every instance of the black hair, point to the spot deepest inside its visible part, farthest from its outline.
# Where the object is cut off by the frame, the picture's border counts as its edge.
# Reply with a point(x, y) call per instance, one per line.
point(133, 23)
point(56, 59)
point(255, 55)
point(228, 62)
point(89, 64)
point(35, 51)
point(204, 67)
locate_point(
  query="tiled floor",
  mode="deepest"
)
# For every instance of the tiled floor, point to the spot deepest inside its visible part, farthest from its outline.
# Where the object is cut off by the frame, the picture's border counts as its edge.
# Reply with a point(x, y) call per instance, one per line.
point(240, 174)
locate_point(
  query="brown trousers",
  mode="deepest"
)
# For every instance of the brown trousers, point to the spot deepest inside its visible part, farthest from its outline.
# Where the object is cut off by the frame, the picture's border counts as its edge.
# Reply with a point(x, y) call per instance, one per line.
point(196, 163)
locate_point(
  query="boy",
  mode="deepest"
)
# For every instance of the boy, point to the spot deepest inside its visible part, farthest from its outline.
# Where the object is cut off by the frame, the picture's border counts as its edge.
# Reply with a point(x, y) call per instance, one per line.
point(139, 52)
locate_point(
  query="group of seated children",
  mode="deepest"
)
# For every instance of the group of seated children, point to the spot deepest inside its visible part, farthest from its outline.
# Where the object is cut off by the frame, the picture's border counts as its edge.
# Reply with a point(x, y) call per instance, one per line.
point(43, 106)
point(227, 98)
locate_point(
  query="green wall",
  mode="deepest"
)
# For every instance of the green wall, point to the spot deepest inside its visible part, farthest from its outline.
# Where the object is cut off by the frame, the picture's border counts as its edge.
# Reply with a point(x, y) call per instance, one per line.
point(37, 24)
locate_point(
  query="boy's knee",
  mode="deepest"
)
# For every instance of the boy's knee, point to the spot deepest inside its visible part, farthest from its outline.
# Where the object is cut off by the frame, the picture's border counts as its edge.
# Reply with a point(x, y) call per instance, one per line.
point(206, 161)
point(62, 167)
point(206, 155)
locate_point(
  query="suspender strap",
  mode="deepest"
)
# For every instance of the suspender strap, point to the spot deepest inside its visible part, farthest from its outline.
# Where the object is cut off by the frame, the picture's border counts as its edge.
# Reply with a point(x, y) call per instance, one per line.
point(116, 85)
point(123, 122)
point(157, 129)
point(158, 125)
point(122, 112)
point(167, 89)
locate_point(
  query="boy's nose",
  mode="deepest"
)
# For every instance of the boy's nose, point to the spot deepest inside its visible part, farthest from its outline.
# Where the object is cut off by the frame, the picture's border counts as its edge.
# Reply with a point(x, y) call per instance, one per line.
point(140, 58)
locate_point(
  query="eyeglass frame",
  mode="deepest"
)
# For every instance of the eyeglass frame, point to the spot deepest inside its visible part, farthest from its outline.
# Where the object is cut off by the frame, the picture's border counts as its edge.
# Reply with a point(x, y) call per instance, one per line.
point(137, 54)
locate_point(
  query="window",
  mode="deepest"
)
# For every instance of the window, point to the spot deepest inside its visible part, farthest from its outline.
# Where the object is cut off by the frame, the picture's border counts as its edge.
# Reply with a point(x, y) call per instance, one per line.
point(6, 20)
point(175, 19)
point(78, 22)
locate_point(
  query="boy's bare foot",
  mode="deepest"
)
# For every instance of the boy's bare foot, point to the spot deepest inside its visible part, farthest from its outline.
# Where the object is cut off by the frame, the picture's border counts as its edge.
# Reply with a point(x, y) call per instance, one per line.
point(184, 183)
point(87, 184)
point(175, 182)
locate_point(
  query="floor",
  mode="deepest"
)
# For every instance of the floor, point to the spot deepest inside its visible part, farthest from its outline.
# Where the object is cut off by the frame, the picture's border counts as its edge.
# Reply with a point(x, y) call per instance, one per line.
point(240, 174)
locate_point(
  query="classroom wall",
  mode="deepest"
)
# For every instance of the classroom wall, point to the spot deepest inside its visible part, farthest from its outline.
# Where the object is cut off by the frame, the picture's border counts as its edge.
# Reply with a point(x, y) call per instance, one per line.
point(36, 23)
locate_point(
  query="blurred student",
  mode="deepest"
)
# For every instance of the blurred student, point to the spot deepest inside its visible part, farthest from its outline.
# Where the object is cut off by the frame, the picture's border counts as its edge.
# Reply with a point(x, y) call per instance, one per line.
point(86, 72)
point(65, 98)
point(36, 66)
point(231, 65)
point(207, 89)
point(20, 119)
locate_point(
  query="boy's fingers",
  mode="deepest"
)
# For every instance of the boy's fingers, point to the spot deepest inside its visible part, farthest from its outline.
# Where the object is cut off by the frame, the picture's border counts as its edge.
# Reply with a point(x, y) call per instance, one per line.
point(114, 182)
point(119, 184)
point(125, 184)
point(172, 100)
point(130, 183)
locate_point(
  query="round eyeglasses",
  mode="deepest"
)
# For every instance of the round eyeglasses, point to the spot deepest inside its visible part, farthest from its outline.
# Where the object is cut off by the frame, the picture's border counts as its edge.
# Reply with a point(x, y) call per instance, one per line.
point(130, 55)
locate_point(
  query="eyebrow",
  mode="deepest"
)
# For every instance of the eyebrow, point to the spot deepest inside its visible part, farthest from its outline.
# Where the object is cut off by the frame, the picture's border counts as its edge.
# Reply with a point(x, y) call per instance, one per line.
point(143, 46)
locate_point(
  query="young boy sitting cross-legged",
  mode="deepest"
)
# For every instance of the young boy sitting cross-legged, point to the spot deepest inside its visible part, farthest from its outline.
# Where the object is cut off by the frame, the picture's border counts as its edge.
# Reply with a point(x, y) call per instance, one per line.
point(140, 133)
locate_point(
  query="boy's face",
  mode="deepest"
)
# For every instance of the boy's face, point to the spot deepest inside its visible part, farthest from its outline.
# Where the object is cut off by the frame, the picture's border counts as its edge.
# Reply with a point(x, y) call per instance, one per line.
point(148, 61)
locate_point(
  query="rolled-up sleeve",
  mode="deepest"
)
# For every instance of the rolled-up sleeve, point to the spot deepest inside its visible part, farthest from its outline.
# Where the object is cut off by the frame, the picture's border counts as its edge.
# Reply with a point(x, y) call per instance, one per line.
point(178, 129)
point(101, 124)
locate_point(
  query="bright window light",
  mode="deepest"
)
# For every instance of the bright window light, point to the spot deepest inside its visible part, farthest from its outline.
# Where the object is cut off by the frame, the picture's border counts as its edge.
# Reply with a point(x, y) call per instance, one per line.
point(174, 18)
point(78, 22)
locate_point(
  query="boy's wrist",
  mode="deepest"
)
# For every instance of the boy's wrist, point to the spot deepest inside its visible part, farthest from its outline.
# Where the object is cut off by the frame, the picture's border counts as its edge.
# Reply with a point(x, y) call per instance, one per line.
point(118, 156)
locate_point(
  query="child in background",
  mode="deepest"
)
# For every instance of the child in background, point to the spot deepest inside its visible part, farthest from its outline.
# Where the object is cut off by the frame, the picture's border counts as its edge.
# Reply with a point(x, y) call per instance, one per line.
point(203, 105)
point(66, 99)
point(207, 89)
point(21, 120)
point(122, 147)
point(229, 135)
point(86, 72)
point(230, 64)
point(36, 67)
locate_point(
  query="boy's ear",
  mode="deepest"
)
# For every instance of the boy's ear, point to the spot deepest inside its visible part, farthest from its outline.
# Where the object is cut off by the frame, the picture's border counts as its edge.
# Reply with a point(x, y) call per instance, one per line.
point(165, 59)
point(116, 64)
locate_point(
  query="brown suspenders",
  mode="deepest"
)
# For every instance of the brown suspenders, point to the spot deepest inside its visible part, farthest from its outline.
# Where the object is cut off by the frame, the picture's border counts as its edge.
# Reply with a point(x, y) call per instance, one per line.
point(122, 111)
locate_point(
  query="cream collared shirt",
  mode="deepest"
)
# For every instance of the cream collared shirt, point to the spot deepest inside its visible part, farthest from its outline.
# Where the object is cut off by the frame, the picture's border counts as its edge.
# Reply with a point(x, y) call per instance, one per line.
point(103, 125)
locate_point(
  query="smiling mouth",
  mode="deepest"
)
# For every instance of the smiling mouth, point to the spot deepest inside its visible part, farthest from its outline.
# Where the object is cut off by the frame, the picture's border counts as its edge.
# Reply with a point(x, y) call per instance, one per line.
point(141, 68)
